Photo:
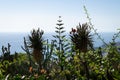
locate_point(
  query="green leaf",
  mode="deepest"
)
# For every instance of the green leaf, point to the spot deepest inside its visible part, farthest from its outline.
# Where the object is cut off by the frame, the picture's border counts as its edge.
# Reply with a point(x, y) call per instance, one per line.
point(62, 31)
point(57, 31)
point(61, 28)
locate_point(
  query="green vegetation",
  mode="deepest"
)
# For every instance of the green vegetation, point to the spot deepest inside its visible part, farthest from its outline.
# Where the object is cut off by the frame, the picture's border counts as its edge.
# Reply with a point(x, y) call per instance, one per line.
point(62, 58)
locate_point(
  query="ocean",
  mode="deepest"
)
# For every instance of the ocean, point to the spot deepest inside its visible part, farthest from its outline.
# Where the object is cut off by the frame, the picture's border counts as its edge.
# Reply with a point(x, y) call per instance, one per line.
point(16, 40)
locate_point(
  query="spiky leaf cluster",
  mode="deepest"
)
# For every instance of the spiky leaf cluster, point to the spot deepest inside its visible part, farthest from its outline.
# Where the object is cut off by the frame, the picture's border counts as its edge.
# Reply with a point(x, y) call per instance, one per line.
point(81, 37)
point(36, 43)
point(36, 40)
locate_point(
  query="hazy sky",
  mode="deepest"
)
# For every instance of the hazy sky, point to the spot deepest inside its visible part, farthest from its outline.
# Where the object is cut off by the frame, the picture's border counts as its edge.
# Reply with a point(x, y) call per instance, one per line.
point(24, 15)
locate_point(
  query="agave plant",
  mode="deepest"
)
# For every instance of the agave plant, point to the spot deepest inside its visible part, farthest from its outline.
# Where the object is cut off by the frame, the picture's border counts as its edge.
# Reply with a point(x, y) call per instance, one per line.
point(81, 38)
point(36, 43)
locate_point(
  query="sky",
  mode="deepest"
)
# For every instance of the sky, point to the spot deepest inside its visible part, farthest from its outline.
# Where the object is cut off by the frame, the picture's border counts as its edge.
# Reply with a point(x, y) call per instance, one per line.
point(25, 15)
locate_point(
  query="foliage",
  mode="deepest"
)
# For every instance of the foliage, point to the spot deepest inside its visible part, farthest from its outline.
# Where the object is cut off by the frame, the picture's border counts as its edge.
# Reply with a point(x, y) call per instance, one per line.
point(26, 49)
point(61, 45)
point(36, 43)
point(58, 61)
point(81, 38)
point(48, 52)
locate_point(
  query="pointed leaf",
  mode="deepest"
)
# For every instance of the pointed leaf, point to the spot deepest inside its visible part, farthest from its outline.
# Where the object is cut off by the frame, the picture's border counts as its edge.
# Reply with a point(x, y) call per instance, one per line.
point(57, 31)
point(62, 31)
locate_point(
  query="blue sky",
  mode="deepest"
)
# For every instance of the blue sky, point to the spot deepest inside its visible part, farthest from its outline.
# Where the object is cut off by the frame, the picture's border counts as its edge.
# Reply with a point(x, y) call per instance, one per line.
point(24, 15)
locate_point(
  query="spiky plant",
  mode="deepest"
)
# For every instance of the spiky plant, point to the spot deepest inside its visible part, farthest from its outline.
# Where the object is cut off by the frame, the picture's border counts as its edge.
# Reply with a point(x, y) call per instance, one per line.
point(81, 38)
point(48, 50)
point(60, 45)
point(36, 43)
point(59, 37)
point(26, 49)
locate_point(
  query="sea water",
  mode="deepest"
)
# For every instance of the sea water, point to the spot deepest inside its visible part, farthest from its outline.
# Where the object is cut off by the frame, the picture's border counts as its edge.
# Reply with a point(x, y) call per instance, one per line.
point(16, 40)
